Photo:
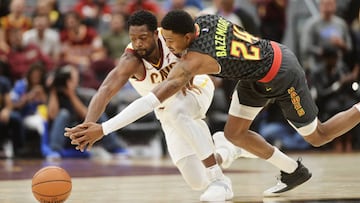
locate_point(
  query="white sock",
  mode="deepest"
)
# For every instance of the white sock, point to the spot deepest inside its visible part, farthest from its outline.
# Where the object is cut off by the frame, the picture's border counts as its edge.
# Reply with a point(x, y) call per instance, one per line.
point(282, 161)
point(224, 153)
point(214, 173)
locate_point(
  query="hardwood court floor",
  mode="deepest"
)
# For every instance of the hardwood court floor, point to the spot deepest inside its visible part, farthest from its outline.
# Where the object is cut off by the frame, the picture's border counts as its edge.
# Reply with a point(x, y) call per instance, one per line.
point(336, 178)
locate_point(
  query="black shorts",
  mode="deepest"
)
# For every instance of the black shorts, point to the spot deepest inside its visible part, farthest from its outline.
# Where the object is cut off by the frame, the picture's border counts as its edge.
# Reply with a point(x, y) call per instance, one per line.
point(289, 90)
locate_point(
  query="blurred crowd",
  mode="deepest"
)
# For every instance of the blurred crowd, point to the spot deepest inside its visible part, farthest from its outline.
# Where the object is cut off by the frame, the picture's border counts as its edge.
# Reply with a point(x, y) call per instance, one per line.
point(54, 55)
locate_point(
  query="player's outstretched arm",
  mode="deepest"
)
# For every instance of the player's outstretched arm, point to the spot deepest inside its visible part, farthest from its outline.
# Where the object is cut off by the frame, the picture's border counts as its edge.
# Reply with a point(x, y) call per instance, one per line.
point(115, 80)
point(86, 134)
point(179, 77)
point(127, 67)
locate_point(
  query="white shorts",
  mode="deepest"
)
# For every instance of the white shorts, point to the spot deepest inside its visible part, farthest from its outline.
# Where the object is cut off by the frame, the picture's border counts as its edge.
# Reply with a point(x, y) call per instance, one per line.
point(193, 104)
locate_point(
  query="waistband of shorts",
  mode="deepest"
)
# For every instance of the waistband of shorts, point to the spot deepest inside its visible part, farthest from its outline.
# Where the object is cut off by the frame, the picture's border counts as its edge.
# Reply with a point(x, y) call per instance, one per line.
point(274, 69)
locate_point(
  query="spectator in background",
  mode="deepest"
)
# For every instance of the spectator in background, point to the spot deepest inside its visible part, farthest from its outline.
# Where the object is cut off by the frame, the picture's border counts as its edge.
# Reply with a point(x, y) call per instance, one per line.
point(180, 4)
point(116, 39)
point(81, 46)
point(4, 10)
point(11, 126)
point(272, 14)
point(42, 35)
point(225, 8)
point(120, 7)
point(148, 5)
point(68, 108)
point(352, 59)
point(92, 12)
point(333, 82)
point(327, 29)
point(191, 5)
point(15, 19)
point(28, 95)
point(51, 9)
point(21, 56)
point(355, 30)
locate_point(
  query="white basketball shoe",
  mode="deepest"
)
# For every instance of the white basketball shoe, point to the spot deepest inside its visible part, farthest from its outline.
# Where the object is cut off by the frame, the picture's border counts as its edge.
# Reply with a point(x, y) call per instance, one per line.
point(218, 191)
point(232, 152)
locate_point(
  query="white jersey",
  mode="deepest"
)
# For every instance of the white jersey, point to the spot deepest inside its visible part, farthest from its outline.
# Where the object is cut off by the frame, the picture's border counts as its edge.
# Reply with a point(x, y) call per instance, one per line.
point(193, 107)
point(154, 74)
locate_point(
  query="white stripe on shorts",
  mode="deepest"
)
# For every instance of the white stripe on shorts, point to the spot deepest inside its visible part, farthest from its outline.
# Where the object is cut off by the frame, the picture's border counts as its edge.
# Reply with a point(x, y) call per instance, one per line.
point(242, 111)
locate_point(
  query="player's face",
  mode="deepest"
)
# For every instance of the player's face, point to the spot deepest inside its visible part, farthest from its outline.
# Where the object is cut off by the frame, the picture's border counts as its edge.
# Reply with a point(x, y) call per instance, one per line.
point(177, 43)
point(143, 40)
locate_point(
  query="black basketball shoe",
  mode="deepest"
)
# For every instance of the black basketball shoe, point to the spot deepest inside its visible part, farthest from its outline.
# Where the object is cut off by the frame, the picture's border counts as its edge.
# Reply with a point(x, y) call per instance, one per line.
point(289, 181)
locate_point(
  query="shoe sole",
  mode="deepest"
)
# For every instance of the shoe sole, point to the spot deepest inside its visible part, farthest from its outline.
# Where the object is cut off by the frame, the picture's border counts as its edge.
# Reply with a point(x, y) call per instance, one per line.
point(282, 191)
point(228, 196)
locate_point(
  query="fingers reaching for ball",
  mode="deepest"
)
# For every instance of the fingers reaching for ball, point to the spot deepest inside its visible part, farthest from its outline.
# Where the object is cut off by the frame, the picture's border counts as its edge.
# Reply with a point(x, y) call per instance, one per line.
point(84, 135)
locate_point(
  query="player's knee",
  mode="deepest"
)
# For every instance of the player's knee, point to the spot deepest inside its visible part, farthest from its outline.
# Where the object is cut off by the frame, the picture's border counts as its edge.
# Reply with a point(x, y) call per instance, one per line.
point(234, 137)
point(193, 172)
point(314, 133)
point(229, 136)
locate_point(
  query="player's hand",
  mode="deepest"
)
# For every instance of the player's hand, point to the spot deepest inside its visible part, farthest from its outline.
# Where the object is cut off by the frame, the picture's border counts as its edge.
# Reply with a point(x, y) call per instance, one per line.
point(190, 86)
point(84, 135)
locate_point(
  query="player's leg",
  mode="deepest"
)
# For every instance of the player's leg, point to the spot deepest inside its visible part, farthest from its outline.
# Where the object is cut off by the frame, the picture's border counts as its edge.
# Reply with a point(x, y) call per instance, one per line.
point(197, 134)
point(237, 131)
point(300, 101)
point(184, 113)
point(185, 159)
point(195, 174)
point(226, 152)
point(318, 133)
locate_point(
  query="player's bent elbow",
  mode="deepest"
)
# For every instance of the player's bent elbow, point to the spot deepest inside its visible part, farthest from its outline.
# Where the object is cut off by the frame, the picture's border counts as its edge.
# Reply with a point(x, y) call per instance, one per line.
point(315, 141)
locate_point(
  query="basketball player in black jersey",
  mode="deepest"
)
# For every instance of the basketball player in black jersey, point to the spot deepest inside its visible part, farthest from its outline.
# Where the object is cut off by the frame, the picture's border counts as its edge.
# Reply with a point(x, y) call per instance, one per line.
point(266, 71)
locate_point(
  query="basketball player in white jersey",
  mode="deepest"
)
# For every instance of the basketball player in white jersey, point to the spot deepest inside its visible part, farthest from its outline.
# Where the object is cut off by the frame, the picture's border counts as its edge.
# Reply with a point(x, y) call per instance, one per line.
point(146, 63)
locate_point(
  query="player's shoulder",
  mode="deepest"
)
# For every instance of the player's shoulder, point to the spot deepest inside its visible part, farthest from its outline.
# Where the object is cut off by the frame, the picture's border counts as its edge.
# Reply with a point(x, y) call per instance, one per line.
point(130, 54)
point(206, 17)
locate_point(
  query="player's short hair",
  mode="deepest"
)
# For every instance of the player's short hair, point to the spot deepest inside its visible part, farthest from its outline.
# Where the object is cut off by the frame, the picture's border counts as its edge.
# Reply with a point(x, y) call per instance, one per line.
point(178, 21)
point(143, 17)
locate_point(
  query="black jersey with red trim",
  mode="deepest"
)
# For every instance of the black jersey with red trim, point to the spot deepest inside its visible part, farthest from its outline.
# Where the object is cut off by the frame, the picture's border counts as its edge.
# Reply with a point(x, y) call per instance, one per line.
point(240, 55)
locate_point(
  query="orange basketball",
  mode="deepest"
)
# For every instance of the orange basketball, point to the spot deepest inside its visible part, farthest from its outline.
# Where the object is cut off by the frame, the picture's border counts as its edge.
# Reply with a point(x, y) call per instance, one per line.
point(51, 184)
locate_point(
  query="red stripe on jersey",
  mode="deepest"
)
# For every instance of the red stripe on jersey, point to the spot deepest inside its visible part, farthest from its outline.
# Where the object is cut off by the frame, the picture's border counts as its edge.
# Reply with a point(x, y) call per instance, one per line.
point(274, 69)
